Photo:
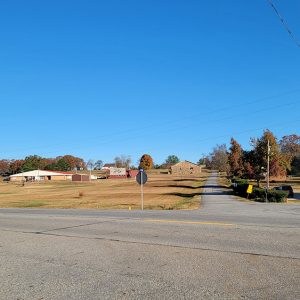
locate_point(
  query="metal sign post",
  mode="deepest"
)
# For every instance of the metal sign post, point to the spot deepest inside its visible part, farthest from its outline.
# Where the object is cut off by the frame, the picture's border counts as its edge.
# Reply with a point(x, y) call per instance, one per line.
point(142, 189)
point(141, 179)
point(268, 170)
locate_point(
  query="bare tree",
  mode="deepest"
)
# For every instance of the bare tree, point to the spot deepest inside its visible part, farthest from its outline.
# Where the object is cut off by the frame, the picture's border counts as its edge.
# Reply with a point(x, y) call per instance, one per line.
point(123, 161)
point(90, 164)
point(219, 158)
point(98, 164)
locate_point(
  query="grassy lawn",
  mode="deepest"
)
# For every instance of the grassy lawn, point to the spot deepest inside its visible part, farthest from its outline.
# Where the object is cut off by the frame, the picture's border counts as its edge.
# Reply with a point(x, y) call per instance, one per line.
point(161, 192)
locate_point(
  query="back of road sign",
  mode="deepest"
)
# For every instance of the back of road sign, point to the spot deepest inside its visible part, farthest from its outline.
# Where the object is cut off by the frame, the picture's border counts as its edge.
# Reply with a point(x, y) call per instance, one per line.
point(141, 177)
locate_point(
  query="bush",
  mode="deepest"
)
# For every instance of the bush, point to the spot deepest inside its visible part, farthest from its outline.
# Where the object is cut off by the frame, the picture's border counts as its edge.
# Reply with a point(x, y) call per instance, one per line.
point(273, 195)
point(240, 187)
point(241, 181)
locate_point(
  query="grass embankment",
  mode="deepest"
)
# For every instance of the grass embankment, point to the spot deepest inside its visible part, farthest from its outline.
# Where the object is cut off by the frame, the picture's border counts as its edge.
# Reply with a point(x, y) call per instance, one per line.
point(160, 192)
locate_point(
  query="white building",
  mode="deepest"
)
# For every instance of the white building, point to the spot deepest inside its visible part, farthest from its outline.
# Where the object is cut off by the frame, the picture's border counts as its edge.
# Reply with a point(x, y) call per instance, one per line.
point(41, 175)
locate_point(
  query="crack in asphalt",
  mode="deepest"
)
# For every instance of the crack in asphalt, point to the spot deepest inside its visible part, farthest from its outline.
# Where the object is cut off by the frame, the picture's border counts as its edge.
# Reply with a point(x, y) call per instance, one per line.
point(61, 228)
point(166, 245)
point(74, 226)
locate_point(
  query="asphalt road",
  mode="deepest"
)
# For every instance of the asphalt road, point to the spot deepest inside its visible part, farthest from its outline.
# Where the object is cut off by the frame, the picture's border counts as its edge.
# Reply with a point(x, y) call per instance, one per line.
point(228, 249)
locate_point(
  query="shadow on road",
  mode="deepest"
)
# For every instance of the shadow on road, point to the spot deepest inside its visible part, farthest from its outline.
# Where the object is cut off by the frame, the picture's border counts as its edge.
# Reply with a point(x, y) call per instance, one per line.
point(180, 186)
point(194, 194)
point(214, 186)
point(191, 179)
point(192, 187)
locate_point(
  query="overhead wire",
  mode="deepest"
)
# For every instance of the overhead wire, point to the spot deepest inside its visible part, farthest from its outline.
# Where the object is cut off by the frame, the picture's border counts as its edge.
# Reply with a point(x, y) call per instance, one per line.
point(143, 135)
point(180, 121)
point(284, 23)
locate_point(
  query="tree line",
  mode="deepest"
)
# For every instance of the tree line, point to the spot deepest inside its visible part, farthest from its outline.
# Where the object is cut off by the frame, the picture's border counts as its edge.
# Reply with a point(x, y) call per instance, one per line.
point(34, 162)
point(284, 157)
point(71, 163)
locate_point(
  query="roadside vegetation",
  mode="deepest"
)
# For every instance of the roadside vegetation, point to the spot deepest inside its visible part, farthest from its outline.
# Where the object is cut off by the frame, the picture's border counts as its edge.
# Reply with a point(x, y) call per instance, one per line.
point(244, 167)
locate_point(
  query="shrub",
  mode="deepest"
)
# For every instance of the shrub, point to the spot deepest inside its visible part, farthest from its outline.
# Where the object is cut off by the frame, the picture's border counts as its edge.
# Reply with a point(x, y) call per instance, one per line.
point(273, 195)
point(241, 181)
point(240, 187)
point(277, 196)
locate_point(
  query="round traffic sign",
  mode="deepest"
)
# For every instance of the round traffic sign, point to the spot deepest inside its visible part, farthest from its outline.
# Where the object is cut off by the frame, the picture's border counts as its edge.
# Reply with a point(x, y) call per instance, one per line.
point(141, 177)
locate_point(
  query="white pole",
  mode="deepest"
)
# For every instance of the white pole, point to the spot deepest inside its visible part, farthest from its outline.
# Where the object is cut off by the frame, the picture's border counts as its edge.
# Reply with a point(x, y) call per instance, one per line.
point(142, 190)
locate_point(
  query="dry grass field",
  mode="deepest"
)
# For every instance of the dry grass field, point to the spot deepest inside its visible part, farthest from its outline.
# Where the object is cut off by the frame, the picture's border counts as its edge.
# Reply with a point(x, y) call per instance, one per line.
point(160, 192)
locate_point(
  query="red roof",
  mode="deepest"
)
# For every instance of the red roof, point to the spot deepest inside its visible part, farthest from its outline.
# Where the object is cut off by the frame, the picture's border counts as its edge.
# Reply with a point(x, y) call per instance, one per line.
point(109, 165)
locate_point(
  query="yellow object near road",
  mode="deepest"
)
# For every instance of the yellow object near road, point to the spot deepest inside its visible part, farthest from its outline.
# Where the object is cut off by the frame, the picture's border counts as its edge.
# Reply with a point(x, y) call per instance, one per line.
point(250, 189)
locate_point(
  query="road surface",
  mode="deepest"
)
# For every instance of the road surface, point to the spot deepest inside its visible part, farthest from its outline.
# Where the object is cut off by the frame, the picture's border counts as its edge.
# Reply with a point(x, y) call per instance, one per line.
point(229, 249)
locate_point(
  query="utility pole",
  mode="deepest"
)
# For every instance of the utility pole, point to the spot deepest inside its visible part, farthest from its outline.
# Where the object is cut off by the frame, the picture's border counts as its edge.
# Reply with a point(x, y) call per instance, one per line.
point(268, 170)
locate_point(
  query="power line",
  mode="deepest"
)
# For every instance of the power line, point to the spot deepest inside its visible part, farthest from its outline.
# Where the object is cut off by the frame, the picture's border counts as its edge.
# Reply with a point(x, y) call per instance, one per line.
point(284, 23)
point(105, 140)
point(234, 116)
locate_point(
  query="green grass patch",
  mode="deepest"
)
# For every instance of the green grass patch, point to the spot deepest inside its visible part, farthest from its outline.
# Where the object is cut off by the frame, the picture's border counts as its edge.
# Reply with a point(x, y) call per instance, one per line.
point(27, 204)
point(187, 202)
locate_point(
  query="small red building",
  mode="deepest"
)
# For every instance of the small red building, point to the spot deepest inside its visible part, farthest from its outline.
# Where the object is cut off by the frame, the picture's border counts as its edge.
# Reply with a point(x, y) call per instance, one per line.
point(80, 177)
point(132, 173)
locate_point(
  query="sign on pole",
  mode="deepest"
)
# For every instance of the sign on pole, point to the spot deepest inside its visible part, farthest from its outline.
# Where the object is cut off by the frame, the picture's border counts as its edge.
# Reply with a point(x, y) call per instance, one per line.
point(141, 178)
point(250, 189)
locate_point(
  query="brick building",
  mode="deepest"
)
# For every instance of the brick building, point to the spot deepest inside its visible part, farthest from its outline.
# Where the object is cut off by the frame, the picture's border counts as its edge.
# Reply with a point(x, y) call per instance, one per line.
point(186, 168)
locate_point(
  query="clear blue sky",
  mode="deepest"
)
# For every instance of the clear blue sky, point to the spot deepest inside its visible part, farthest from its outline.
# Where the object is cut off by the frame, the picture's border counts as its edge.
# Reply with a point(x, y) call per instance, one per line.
point(99, 79)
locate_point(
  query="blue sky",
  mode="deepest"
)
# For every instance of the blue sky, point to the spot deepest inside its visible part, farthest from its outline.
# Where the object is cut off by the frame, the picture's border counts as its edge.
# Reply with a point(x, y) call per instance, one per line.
point(99, 79)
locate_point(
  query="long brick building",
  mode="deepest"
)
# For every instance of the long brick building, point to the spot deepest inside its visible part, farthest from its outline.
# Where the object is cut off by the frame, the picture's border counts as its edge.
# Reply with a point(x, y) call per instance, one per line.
point(186, 168)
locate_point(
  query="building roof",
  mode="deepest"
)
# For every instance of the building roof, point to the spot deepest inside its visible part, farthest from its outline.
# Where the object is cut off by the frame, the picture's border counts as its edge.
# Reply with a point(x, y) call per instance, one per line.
point(109, 165)
point(61, 172)
point(184, 162)
point(37, 173)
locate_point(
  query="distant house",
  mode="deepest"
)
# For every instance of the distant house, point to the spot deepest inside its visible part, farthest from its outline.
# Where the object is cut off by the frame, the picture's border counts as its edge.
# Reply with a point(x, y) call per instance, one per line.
point(117, 172)
point(132, 173)
point(41, 175)
point(186, 168)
